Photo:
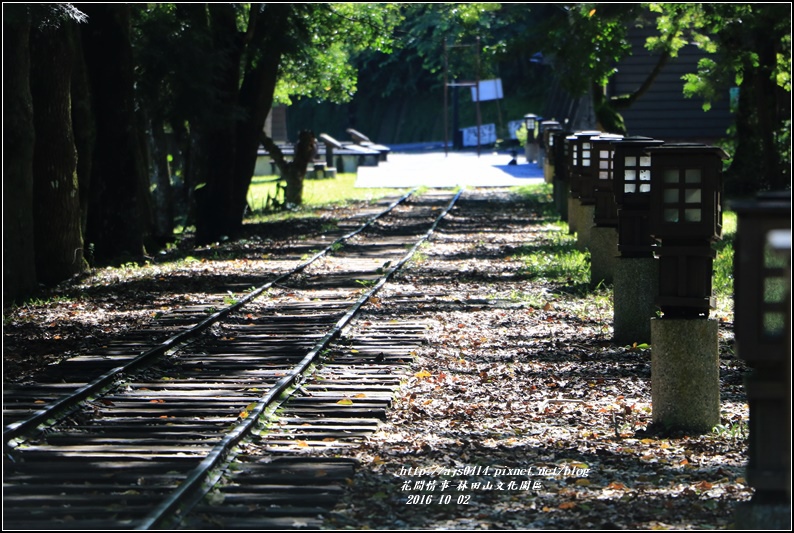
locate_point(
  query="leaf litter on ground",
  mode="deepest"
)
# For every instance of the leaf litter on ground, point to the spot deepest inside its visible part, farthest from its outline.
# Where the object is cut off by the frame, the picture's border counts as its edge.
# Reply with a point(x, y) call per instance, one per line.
point(520, 413)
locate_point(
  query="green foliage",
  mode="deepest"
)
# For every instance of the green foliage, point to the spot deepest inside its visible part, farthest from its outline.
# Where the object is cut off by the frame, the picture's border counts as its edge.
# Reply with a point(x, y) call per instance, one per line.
point(726, 30)
point(586, 41)
point(736, 430)
point(321, 66)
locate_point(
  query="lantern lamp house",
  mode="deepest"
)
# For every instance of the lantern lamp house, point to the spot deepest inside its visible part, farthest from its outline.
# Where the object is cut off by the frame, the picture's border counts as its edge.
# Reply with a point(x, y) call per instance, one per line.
point(531, 122)
point(762, 293)
point(632, 193)
point(582, 203)
point(581, 160)
point(606, 212)
point(547, 128)
point(686, 216)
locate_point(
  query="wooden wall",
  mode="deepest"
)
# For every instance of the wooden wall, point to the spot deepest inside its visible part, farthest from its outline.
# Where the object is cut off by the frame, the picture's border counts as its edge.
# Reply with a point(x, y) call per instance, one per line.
point(663, 112)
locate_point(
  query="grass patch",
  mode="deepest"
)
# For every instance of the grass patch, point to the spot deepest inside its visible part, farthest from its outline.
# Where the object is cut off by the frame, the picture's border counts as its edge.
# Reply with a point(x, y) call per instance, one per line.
point(316, 193)
point(722, 280)
point(555, 259)
point(539, 198)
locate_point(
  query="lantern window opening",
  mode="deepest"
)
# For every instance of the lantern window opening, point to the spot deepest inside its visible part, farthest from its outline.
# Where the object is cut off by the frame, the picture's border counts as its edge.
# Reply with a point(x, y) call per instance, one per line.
point(774, 325)
point(775, 289)
point(693, 215)
point(671, 175)
point(633, 173)
point(774, 261)
point(671, 197)
point(693, 175)
point(693, 196)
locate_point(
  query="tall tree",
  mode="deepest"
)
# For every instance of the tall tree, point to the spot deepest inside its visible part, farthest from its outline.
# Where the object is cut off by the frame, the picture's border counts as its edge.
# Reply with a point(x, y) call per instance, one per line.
point(119, 219)
point(270, 48)
point(19, 273)
point(56, 209)
point(752, 51)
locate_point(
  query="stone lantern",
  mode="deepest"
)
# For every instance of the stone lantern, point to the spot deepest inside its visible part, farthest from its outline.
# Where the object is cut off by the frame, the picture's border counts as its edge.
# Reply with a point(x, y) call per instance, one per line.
point(636, 275)
point(603, 243)
point(531, 122)
point(762, 318)
point(580, 209)
point(686, 217)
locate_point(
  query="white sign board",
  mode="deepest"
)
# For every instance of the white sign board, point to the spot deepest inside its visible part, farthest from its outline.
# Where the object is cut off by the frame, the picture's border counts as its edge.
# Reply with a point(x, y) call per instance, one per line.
point(489, 90)
point(513, 126)
point(487, 135)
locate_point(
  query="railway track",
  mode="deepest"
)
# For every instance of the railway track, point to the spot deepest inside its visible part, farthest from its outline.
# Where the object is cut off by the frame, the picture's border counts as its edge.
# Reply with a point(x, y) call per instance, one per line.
point(205, 419)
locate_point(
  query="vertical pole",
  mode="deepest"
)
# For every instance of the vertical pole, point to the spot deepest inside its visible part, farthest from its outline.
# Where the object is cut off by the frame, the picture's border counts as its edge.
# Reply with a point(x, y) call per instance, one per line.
point(446, 85)
point(479, 118)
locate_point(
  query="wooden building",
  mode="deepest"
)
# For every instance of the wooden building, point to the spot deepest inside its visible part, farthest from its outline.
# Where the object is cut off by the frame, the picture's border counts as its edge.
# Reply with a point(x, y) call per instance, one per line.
point(663, 112)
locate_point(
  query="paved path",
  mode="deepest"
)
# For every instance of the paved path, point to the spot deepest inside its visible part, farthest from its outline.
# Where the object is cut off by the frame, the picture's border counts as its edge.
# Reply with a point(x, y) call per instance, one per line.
point(435, 169)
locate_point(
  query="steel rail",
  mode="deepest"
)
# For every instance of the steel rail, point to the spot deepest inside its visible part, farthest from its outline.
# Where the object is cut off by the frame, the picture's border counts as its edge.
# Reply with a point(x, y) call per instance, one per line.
point(196, 485)
point(67, 402)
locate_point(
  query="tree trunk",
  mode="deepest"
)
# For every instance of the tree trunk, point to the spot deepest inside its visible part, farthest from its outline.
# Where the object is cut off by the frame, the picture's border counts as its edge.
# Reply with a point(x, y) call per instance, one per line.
point(293, 171)
point(256, 97)
point(304, 153)
point(84, 129)
point(162, 197)
point(234, 144)
point(117, 218)
point(757, 164)
point(19, 272)
point(214, 200)
point(56, 209)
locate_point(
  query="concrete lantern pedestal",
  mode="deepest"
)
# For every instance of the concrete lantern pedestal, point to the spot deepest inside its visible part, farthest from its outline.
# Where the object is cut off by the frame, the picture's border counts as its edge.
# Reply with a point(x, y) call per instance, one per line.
point(548, 170)
point(573, 214)
point(636, 285)
point(584, 226)
point(685, 374)
point(603, 254)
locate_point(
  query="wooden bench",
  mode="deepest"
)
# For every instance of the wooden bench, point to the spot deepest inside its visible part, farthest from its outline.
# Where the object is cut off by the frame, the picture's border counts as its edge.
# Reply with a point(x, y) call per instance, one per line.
point(362, 140)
